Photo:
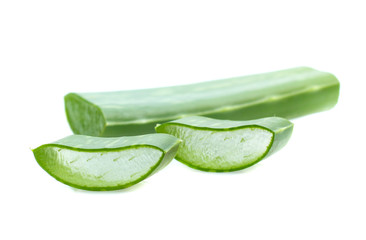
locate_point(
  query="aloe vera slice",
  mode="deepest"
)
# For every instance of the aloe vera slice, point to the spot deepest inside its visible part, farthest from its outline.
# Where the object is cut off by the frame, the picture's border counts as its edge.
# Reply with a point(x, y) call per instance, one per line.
point(95, 163)
point(288, 93)
point(223, 145)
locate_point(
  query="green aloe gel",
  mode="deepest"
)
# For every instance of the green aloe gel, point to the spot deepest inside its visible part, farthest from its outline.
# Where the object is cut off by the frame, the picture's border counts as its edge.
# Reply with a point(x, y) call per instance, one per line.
point(95, 163)
point(223, 145)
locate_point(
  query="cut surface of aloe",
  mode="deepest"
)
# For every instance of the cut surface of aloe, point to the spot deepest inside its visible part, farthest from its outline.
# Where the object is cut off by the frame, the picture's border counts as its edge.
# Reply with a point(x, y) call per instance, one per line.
point(95, 163)
point(223, 145)
point(288, 93)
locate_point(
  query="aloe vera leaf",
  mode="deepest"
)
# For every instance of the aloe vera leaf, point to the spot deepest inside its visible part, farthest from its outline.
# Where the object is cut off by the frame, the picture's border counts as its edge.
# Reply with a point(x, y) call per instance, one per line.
point(288, 93)
point(95, 163)
point(223, 145)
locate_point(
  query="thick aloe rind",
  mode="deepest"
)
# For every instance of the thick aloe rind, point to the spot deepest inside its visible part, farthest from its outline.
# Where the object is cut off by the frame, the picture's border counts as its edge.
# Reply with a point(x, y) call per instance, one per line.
point(278, 129)
point(288, 93)
point(163, 146)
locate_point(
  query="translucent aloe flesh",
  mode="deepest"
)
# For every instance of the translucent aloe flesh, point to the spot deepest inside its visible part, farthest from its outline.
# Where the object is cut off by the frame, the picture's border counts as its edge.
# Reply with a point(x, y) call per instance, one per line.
point(95, 163)
point(223, 145)
point(288, 93)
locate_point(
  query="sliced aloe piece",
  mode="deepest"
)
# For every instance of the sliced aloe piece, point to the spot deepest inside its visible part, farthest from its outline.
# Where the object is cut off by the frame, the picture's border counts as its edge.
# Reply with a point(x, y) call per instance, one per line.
point(222, 145)
point(288, 93)
point(94, 163)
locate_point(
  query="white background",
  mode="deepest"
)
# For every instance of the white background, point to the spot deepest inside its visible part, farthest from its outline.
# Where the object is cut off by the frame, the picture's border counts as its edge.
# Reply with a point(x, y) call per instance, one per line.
point(312, 189)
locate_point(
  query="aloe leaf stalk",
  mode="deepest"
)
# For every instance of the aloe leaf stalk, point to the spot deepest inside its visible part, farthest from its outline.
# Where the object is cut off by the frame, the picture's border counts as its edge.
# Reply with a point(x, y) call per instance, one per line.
point(224, 146)
point(288, 93)
point(95, 163)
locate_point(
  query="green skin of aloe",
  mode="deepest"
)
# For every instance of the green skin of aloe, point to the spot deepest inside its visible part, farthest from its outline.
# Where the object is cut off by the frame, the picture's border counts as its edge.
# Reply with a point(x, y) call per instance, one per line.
point(288, 93)
point(224, 146)
point(95, 163)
